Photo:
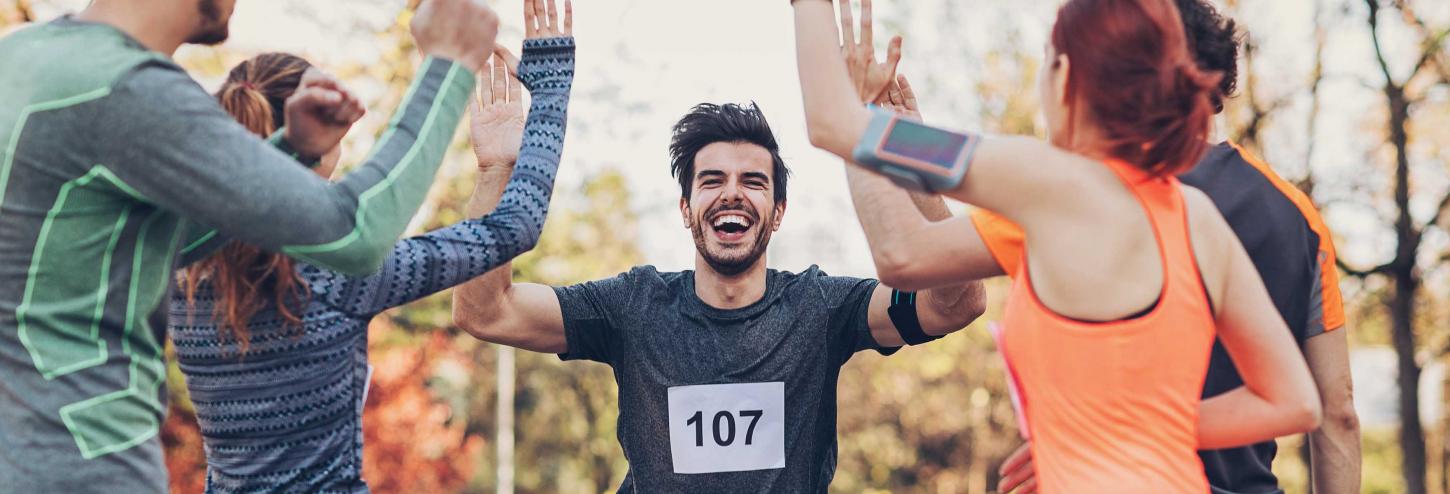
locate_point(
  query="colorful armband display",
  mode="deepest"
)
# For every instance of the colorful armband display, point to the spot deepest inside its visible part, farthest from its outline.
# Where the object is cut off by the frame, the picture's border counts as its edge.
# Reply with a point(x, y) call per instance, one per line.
point(915, 155)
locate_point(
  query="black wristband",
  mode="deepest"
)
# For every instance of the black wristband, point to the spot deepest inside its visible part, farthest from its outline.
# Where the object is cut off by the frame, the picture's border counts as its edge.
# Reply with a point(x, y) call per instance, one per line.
point(903, 315)
point(279, 141)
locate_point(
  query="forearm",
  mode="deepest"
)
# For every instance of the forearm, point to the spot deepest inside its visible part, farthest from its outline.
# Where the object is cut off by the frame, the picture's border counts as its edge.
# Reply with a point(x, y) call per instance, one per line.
point(392, 183)
point(1241, 417)
point(478, 303)
point(1334, 448)
point(1334, 452)
point(835, 118)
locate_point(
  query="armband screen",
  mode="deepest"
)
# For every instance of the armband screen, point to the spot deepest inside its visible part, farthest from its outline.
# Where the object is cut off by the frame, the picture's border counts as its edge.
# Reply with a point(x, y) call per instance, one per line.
point(919, 142)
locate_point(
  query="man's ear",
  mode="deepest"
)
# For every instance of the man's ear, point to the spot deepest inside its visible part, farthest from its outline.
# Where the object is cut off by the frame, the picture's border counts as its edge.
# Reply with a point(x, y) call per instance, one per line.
point(685, 212)
point(779, 215)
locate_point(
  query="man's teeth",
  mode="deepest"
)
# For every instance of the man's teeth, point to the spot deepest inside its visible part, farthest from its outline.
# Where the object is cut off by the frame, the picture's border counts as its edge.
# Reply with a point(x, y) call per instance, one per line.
point(732, 219)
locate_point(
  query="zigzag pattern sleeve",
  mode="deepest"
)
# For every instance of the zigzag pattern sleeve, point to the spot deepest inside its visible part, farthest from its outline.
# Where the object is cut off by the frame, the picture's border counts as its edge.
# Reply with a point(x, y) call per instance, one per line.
point(426, 264)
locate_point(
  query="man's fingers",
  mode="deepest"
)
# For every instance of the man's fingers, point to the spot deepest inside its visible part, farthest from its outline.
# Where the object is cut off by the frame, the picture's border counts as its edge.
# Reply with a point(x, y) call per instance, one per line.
point(848, 29)
point(893, 94)
point(500, 79)
point(568, 17)
point(908, 96)
point(893, 53)
point(508, 58)
point(1027, 487)
point(553, 17)
point(530, 18)
point(866, 30)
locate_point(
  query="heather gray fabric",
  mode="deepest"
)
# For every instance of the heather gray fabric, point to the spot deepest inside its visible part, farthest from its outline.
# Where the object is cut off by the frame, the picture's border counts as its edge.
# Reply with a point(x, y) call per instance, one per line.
point(657, 334)
point(110, 152)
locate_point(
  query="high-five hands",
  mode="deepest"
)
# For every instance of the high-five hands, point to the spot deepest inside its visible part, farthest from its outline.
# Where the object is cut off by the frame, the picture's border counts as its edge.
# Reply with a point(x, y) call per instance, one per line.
point(496, 123)
point(542, 22)
point(871, 78)
point(459, 30)
point(497, 119)
point(319, 114)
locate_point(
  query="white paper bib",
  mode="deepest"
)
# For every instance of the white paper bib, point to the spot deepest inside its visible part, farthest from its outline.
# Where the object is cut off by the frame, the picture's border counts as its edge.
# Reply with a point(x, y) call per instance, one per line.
point(727, 427)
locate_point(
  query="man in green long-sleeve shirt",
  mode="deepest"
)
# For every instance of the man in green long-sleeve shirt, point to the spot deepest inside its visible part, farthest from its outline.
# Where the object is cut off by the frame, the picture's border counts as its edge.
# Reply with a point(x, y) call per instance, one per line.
point(113, 161)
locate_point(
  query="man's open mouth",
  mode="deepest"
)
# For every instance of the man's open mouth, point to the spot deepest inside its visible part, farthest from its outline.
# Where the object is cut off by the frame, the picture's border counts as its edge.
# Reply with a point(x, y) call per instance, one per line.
point(731, 226)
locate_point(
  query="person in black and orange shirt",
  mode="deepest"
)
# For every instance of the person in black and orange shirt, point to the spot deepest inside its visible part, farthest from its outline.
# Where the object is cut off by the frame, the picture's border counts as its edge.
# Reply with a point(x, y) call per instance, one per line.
point(1294, 254)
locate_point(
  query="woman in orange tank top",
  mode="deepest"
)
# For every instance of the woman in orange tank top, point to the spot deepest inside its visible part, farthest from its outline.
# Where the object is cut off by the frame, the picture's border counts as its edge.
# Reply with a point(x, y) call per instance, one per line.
point(1127, 276)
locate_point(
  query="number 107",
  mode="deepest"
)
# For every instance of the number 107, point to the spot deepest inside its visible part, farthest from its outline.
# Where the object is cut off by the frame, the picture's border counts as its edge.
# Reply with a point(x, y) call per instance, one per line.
point(724, 436)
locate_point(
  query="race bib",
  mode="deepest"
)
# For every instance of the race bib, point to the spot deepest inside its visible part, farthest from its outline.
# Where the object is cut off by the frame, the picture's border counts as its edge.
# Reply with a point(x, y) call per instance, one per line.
point(727, 427)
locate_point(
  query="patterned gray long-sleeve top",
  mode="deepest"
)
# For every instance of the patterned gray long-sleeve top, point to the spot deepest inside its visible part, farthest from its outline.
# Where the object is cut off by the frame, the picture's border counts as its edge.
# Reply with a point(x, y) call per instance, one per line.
point(287, 415)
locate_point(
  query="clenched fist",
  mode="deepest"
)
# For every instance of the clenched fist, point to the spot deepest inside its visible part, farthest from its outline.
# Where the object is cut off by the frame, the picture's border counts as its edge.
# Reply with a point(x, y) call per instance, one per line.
point(459, 30)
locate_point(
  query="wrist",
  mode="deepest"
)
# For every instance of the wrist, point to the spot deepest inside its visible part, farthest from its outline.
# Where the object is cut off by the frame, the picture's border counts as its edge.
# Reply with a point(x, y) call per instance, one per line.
point(284, 140)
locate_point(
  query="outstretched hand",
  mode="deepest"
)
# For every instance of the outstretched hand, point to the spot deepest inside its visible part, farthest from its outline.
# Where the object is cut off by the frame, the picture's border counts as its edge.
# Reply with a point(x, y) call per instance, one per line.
point(871, 78)
point(541, 20)
point(496, 119)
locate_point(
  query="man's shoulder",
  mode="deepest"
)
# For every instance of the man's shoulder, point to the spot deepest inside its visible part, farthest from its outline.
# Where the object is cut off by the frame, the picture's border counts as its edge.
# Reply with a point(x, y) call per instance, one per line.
point(815, 279)
point(69, 59)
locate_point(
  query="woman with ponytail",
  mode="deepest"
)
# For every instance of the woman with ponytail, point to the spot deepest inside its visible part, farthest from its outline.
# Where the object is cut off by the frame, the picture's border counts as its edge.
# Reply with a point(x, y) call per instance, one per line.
point(1126, 277)
point(275, 350)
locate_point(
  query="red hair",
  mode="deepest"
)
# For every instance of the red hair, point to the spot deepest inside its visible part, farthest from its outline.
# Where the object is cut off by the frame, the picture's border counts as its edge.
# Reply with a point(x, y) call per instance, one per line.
point(247, 279)
point(1132, 71)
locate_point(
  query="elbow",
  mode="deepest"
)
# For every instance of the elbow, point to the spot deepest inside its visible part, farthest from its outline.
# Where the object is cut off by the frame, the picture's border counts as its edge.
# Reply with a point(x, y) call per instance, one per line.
point(896, 268)
point(1340, 417)
point(826, 133)
point(1307, 414)
point(476, 327)
point(973, 308)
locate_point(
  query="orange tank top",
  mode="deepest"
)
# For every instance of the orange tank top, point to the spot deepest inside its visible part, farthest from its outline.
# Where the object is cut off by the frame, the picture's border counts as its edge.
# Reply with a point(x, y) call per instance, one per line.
point(1113, 407)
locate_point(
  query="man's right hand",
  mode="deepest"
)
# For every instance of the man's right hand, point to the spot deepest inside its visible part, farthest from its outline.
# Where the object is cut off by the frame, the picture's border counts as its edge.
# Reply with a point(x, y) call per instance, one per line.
point(459, 30)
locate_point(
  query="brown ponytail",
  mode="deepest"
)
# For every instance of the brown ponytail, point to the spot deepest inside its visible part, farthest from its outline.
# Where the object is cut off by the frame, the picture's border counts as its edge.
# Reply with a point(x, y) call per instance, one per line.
point(246, 279)
point(1132, 71)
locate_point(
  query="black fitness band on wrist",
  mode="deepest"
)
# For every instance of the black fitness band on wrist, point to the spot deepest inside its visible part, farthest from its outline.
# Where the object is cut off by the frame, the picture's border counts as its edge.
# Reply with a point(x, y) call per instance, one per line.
point(279, 141)
point(903, 315)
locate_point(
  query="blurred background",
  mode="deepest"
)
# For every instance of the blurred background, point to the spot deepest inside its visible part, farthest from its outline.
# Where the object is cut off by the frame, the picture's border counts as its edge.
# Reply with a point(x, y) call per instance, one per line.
point(1348, 99)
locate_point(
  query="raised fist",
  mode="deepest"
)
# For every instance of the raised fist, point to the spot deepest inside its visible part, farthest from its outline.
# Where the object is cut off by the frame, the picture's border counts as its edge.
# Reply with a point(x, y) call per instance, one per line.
point(459, 30)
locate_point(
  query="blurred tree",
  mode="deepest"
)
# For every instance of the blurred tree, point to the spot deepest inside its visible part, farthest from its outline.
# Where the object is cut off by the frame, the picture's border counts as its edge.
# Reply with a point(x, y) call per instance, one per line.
point(1403, 95)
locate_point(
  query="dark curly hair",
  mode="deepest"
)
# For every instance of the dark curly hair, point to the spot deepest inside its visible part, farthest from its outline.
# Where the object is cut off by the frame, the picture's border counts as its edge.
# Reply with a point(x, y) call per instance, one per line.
point(707, 124)
point(1214, 41)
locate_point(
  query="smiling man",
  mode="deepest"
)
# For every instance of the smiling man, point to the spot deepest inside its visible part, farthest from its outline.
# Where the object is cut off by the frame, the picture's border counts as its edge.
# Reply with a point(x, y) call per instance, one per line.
point(727, 374)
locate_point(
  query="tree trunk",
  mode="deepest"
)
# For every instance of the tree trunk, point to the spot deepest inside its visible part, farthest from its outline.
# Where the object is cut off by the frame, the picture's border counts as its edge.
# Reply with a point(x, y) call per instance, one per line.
point(1402, 307)
point(1412, 435)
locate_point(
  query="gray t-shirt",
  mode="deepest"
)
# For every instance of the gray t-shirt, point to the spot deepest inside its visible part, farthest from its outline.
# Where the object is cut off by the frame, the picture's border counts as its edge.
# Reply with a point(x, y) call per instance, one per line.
point(785, 349)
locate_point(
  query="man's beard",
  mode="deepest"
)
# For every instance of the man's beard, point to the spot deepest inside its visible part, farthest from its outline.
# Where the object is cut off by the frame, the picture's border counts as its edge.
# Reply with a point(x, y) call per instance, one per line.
point(214, 29)
point(731, 266)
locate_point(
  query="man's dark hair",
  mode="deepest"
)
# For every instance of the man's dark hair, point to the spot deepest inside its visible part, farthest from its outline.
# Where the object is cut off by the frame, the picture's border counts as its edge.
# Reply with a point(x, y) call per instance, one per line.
point(707, 124)
point(1214, 41)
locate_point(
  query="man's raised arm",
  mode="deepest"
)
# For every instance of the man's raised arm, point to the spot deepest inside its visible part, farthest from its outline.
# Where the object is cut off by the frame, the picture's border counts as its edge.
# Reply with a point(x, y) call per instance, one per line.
point(169, 144)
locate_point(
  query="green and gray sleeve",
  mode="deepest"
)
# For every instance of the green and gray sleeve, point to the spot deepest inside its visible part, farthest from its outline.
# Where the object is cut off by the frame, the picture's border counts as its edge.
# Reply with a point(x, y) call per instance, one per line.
point(171, 145)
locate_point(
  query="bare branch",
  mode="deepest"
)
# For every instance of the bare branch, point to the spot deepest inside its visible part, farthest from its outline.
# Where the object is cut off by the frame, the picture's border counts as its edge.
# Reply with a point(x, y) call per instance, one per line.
point(1363, 273)
point(1374, 34)
point(1439, 213)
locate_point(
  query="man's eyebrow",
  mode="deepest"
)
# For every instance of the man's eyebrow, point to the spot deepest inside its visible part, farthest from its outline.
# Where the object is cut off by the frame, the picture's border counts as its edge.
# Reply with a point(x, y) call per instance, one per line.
point(759, 175)
point(709, 173)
